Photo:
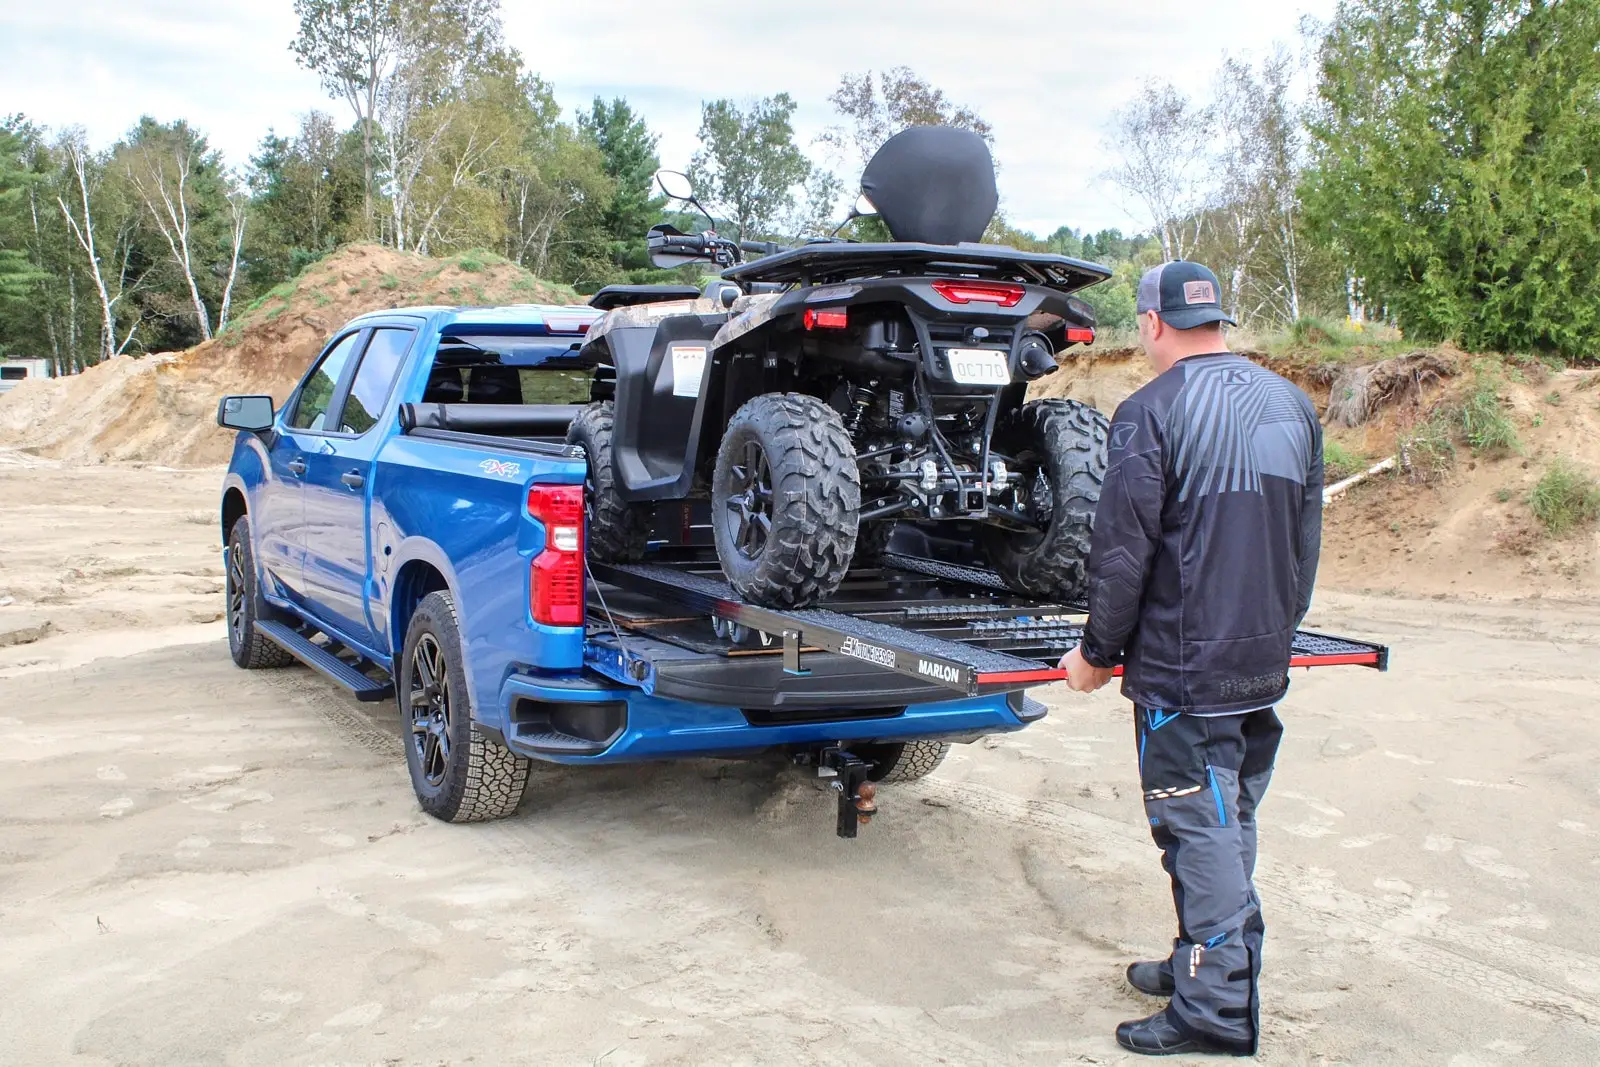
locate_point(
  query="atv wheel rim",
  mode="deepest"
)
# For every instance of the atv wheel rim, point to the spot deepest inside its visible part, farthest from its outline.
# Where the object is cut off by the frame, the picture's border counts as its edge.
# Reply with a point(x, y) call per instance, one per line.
point(235, 593)
point(750, 501)
point(430, 710)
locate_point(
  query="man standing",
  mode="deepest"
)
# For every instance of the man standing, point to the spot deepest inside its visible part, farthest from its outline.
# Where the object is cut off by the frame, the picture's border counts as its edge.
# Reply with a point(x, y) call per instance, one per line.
point(1204, 554)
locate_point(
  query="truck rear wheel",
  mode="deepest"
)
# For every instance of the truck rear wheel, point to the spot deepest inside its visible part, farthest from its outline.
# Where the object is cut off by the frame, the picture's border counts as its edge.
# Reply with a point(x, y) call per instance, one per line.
point(1060, 449)
point(249, 649)
point(458, 774)
point(784, 500)
point(903, 761)
point(616, 531)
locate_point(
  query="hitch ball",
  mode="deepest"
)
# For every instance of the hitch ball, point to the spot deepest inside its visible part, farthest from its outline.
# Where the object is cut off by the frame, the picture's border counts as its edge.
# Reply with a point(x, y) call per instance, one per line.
point(866, 802)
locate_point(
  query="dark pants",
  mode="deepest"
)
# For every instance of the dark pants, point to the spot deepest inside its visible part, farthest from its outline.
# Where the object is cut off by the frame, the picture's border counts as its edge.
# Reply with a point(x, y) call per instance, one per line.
point(1203, 777)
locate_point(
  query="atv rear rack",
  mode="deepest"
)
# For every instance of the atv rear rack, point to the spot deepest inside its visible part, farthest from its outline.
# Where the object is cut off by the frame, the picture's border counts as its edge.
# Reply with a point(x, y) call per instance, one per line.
point(951, 627)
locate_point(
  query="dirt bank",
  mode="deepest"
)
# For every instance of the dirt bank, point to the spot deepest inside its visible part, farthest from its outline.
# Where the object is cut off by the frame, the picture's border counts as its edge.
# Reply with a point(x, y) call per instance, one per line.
point(1470, 533)
point(201, 865)
point(162, 408)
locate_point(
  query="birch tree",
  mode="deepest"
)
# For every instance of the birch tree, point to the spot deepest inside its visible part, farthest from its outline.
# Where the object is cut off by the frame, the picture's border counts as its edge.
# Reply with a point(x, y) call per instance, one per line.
point(353, 46)
point(1162, 142)
point(84, 174)
point(159, 170)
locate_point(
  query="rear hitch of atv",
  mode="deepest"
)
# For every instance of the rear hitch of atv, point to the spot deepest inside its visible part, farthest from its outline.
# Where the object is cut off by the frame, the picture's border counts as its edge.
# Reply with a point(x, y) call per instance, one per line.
point(857, 796)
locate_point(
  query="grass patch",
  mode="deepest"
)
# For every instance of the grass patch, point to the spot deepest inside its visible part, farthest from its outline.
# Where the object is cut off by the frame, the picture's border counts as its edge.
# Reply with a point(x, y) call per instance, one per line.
point(1553, 397)
point(353, 290)
point(1503, 495)
point(1566, 496)
point(1427, 450)
point(1339, 462)
point(275, 312)
point(1484, 423)
point(469, 263)
point(522, 285)
point(321, 300)
point(389, 282)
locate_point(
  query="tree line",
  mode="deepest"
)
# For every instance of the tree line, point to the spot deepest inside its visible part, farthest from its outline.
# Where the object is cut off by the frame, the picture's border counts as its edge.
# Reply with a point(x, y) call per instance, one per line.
point(1439, 175)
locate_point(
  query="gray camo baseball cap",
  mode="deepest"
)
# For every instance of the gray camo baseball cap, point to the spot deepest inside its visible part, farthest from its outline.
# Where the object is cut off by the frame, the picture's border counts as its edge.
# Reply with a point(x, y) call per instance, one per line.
point(1184, 294)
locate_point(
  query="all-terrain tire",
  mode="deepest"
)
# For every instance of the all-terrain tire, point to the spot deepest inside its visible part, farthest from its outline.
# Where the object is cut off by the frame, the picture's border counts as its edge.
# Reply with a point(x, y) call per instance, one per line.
point(903, 761)
point(872, 541)
point(812, 496)
point(616, 531)
point(478, 779)
point(244, 605)
point(1067, 441)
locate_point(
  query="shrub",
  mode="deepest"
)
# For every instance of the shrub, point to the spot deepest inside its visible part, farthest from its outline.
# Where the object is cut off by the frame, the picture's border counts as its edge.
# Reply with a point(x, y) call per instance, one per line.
point(1339, 462)
point(390, 282)
point(1565, 496)
point(469, 264)
point(1427, 450)
point(1484, 423)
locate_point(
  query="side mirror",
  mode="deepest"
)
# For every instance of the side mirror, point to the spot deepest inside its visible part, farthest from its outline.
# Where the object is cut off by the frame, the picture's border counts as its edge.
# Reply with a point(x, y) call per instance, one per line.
point(675, 184)
point(252, 414)
point(863, 207)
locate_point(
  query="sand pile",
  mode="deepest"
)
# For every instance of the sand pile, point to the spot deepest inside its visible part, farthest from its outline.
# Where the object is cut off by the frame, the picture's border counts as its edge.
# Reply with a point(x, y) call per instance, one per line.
point(162, 408)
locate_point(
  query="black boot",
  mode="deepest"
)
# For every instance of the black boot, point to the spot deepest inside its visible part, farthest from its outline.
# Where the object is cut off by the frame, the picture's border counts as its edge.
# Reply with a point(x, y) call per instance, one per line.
point(1162, 1035)
point(1152, 977)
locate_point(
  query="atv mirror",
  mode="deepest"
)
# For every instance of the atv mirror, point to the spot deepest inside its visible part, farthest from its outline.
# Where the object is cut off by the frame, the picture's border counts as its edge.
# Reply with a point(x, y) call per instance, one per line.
point(675, 184)
point(863, 207)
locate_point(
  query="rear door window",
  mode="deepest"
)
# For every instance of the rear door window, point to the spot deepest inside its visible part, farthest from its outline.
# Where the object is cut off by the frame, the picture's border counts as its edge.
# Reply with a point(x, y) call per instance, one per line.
point(311, 409)
point(375, 378)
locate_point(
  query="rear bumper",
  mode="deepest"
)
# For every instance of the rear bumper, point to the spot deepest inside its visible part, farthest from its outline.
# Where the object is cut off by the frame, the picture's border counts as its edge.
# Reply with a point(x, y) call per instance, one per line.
point(597, 721)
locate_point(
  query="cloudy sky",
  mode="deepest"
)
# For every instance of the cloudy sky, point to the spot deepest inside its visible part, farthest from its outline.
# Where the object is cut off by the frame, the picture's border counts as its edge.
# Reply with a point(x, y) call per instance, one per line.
point(1045, 73)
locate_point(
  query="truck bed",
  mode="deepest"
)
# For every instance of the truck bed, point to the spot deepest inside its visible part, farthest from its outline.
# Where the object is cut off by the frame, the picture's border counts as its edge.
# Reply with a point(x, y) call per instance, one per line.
point(912, 630)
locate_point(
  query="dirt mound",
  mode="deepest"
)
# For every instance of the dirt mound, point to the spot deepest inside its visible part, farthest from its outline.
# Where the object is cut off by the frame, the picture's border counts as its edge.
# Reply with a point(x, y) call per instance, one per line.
point(1472, 533)
point(162, 408)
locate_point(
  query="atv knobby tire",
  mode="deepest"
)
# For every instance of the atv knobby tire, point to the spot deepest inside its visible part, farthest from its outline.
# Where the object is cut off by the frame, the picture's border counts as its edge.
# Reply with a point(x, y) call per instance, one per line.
point(1065, 441)
point(458, 774)
point(784, 500)
point(249, 649)
point(616, 531)
point(903, 761)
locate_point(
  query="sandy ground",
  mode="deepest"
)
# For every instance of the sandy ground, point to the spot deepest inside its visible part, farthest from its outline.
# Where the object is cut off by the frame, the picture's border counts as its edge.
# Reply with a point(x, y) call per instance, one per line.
point(200, 865)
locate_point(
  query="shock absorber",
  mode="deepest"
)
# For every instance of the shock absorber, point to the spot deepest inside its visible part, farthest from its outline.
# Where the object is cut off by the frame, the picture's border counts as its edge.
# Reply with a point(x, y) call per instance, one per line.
point(861, 398)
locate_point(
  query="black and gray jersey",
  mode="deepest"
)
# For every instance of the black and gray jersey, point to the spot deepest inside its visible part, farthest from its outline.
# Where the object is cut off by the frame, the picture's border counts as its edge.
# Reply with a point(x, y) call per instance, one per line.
point(1206, 539)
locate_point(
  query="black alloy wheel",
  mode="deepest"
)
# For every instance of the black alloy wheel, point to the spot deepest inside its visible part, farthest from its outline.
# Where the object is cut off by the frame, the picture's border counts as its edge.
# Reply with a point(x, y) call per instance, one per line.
point(750, 501)
point(430, 710)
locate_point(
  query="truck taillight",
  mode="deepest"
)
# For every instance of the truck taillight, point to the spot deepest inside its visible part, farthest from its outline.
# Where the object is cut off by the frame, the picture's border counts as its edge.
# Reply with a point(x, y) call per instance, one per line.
point(555, 580)
point(1003, 294)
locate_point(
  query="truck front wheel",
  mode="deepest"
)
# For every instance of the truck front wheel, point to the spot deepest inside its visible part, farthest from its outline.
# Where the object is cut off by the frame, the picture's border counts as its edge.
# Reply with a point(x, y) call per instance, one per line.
point(249, 649)
point(458, 774)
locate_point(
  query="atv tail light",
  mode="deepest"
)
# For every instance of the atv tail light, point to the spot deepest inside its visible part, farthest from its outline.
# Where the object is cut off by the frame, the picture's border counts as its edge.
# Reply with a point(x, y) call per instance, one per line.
point(555, 578)
point(826, 319)
point(1001, 294)
point(1080, 335)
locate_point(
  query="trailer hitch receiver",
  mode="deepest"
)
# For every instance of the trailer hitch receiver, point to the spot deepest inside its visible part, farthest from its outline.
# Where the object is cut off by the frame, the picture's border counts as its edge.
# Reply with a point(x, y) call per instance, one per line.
point(857, 797)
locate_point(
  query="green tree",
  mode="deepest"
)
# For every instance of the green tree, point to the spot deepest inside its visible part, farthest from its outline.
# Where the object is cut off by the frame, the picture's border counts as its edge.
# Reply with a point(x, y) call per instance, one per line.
point(1455, 153)
point(748, 166)
point(629, 150)
point(307, 197)
point(18, 273)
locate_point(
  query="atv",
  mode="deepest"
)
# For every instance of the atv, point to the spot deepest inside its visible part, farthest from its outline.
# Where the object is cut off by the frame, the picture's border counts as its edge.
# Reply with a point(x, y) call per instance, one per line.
point(817, 395)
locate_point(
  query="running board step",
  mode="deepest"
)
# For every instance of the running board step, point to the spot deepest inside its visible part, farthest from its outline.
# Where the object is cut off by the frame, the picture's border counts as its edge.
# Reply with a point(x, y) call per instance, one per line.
point(324, 662)
point(967, 669)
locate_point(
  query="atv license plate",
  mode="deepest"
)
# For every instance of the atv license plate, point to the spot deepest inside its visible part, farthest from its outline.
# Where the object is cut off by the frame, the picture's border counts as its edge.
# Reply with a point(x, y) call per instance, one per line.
point(978, 366)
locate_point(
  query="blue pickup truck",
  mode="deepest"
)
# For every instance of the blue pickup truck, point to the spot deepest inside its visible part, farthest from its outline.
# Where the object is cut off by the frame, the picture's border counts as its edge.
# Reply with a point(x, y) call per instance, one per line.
point(411, 524)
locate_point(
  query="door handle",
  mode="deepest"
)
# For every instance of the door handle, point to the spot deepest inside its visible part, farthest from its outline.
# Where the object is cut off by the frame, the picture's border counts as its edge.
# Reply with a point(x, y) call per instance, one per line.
point(353, 479)
point(297, 467)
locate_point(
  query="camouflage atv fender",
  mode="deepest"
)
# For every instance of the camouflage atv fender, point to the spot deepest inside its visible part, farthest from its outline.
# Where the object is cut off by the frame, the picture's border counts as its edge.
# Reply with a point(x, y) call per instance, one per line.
point(750, 312)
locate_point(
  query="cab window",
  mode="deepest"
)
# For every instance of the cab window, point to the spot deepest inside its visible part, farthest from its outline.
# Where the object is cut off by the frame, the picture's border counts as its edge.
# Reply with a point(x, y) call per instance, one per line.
point(375, 378)
point(311, 409)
